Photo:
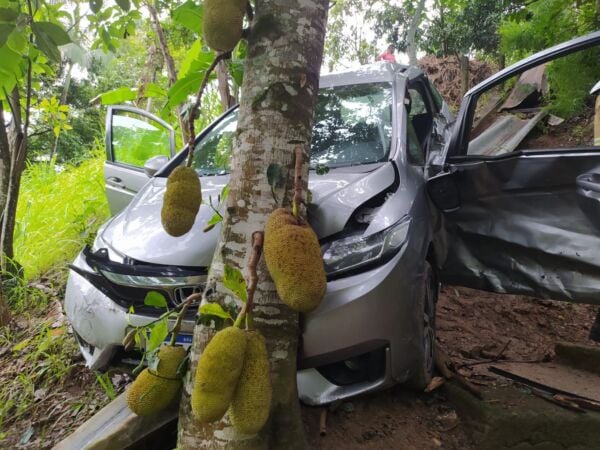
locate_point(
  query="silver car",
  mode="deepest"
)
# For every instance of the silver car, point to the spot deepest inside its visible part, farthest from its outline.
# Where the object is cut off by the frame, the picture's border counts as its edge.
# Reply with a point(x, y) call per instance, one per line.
point(390, 150)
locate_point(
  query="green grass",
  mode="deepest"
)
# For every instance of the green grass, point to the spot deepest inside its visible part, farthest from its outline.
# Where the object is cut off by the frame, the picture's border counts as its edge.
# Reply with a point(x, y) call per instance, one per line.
point(57, 213)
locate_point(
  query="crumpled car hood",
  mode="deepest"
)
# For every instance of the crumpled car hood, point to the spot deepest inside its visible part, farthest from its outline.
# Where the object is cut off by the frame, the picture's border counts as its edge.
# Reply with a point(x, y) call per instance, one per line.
point(137, 231)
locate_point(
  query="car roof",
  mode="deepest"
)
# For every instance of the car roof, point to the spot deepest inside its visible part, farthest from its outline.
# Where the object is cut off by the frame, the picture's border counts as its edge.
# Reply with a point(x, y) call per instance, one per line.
point(370, 73)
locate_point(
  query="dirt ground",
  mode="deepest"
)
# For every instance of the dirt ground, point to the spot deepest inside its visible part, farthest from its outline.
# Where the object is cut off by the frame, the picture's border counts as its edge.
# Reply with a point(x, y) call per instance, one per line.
point(473, 327)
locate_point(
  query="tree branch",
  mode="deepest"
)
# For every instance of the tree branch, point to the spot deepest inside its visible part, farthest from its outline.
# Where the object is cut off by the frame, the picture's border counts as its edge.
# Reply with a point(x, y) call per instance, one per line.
point(257, 244)
point(194, 110)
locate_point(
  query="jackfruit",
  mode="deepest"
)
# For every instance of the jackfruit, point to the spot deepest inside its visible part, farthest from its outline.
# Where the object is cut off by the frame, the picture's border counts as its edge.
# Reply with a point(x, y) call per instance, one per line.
point(293, 257)
point(218, 373)
point(222, 23)
point(181, 202)
point(251, 403)
point(153, 391)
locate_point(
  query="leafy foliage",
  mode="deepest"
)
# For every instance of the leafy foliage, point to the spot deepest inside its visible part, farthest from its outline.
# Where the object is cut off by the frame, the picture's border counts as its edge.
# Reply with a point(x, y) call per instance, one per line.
point(53, 218)
point(542, 24)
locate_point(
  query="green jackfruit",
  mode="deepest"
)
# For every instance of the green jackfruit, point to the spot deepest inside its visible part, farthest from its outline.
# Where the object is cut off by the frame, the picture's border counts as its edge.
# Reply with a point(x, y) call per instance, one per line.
point(222, 23)
point(153, 391)
point(181, 202)
point(293, 257)
point(251, 403)
point(218, 373)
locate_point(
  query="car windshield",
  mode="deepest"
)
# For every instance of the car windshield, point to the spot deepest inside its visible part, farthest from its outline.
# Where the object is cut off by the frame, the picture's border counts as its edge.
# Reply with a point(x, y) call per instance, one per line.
point(353, 125)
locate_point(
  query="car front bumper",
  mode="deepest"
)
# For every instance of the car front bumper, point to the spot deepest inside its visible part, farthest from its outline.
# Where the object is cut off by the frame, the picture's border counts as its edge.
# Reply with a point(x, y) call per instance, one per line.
point(367, 319)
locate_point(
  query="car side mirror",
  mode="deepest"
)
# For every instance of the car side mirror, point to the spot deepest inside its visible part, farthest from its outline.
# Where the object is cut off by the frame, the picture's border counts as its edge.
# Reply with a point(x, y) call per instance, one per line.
point(596, 89)
point(443, 191)
point(154, 164)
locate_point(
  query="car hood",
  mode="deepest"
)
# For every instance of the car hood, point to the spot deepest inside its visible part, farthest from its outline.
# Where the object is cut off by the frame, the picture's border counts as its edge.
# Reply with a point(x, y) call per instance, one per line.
point(137, 231)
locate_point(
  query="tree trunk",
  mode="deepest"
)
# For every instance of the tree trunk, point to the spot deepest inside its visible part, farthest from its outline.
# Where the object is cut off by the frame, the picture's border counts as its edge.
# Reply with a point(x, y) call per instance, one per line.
point(227, 100)
point(464, 74)
point(169, 62)
point(411, 34)
point(280, 84)
point(17, 153)
point(4, 177)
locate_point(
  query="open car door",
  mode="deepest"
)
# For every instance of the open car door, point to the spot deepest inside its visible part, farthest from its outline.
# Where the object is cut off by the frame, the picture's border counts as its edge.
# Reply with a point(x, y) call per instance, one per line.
point(137, 145)
point(520, 189)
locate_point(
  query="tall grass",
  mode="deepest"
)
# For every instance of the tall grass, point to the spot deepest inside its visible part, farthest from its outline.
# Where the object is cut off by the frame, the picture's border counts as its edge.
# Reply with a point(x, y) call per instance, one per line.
point(57, 213)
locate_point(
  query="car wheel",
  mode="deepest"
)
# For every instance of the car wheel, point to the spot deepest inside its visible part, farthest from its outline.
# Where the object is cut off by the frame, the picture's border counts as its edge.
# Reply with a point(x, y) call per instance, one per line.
point(424, 361)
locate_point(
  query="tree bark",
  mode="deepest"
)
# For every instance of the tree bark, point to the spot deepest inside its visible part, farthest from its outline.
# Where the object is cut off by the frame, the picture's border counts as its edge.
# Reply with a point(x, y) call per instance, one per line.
point(464, 74)
point(169, 62)
point(411, 34)
point(4, 177)
point(281, 77)
point(17, 154)
point(227, 100)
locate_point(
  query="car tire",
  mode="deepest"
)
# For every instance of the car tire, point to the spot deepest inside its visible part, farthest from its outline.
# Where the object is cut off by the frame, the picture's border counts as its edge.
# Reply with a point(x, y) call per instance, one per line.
point(424, 361)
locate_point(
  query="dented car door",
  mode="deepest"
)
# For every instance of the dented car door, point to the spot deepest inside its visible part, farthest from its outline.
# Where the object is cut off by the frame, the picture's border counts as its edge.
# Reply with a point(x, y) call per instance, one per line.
point(523, 218)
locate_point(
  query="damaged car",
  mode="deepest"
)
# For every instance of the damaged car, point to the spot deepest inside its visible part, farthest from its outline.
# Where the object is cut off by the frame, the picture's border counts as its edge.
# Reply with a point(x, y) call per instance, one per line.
point(409, 198)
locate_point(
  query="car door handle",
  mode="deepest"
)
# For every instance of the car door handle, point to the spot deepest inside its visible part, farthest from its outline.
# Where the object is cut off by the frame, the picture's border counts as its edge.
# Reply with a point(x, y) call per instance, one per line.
point(116, 181)
point(589, 182)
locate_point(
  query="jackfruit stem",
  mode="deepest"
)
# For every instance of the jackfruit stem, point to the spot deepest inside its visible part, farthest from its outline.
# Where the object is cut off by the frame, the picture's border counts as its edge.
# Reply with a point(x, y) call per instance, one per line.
point(257, 244)
point(177, 327)
point(193, 112)
point(299, 159)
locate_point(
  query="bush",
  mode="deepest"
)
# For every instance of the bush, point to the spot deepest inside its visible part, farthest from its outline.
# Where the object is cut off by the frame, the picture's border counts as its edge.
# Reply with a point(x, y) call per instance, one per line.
point(58, 212)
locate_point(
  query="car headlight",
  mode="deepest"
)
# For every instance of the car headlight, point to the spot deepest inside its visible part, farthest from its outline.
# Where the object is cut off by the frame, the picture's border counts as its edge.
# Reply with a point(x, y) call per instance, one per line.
point(352, 252)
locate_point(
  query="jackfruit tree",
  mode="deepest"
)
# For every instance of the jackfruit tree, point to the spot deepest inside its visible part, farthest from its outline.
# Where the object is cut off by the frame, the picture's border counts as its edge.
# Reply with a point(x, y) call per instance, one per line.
point(284, 54)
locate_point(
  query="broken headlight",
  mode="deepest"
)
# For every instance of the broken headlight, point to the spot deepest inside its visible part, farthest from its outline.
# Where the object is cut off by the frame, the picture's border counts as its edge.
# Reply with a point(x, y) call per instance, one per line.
point(353, 252)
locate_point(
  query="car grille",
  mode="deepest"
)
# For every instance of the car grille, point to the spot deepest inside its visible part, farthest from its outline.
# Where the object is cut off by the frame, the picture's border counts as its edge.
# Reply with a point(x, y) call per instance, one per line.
point(179, 294)
point(132, 286)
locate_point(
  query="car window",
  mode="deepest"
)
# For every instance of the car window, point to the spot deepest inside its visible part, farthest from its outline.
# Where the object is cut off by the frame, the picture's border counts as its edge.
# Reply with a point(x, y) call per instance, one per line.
point(437, 97)
point(136, 138)
point(548, 107)
point(419, 116)
point(415, 154)
point(353, 125)
point(213, 153)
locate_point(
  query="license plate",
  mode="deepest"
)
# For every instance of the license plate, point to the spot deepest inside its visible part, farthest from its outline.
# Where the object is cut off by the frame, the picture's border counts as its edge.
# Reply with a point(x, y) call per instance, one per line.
point(185, 340)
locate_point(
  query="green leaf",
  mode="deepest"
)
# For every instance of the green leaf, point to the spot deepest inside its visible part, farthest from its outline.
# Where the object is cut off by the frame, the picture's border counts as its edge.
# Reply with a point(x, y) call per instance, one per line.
point(214, 309)
point(159, 333)
point(53, 31)
point(224, 193)
point(236, 70)
point(156, 299)
point(17, 42)
point(5, 30)
point(48, 36)
point(182, 88)
point(118, 95)
point(8, 15)
point(215, 219)
point(107, 40)
point(321, 169)
point(235, 282)
point(21, 345)
point(45, 43)
point(190, 16)
point(124, 4)
point(154, 90)
point(196, 60)
point(95, 5)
